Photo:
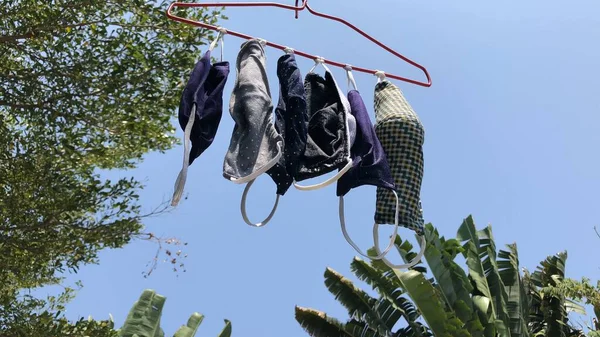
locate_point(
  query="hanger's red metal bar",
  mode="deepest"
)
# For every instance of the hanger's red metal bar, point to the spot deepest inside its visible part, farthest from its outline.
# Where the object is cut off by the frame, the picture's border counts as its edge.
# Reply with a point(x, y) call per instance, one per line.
point(297, 52)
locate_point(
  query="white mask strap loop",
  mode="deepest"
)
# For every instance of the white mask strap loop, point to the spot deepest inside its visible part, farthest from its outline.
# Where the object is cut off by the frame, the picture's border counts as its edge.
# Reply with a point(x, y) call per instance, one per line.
point(220, 37)
point(182, 176)
point(243, 208)
point(288, 50)
point(326, 182)
point(417, 259)
point(375, 226)
point(318, 60)
point(380, 76)
point(350, 77)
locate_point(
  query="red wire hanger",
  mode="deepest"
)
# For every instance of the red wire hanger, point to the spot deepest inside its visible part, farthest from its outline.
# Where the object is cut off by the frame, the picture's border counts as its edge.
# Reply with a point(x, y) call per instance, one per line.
point(297, 9)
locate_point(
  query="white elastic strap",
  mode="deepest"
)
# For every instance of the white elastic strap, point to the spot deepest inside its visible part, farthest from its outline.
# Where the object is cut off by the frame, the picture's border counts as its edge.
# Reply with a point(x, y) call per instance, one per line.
point(213, 44)
point(375, 226)
point(265, 168)
point(380, 75)
point(182, 176)
point(243, 208)
point(263, 42)
point(351, 80)
point(288, 50)
point(318, 60)
point(416, 260)
point(222, 46)
point(326, 182)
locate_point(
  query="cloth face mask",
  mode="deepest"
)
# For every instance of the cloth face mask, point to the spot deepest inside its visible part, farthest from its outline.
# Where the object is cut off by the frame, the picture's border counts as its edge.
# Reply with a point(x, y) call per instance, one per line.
point(200, 111)
point(402, 135)
point(255, 145)
point(291, 122)
point(331, 131)
point(369, 165)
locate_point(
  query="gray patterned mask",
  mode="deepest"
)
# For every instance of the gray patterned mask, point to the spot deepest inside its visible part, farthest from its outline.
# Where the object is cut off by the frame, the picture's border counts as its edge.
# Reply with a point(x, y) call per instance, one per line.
point(255, 144)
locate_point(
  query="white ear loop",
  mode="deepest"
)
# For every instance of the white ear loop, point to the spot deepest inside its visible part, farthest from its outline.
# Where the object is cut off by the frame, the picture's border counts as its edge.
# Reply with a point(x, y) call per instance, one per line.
point(380, 75)
point(423, 243)
point(243, 208)
point(326, 182)
point(182, 176)
point(263, 42)
point(375, 230)
point(220, 36)
point(318, 60)
point(288, 50)
point(350, 77)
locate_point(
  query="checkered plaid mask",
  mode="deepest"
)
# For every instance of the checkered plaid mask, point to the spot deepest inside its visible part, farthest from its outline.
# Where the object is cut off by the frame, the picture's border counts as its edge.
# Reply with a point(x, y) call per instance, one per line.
point(401, 134)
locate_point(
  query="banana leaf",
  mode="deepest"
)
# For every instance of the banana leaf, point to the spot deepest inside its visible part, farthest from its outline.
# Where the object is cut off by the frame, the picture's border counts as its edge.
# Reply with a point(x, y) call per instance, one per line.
point(143, 319)
point(318, 324)
point(485, 307)
point(487, 254)
point(359, 304)
point(430, 304)
point(393, 303)
point(189, 330)
point(517, 304)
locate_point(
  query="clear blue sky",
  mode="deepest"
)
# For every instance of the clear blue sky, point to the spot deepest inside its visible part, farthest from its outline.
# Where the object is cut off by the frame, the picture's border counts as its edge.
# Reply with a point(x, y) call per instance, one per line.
point(511, 137)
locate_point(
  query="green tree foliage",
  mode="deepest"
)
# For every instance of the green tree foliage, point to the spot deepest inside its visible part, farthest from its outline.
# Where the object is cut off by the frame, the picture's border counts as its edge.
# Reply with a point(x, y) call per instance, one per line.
point(488, 298)
point(85, 85)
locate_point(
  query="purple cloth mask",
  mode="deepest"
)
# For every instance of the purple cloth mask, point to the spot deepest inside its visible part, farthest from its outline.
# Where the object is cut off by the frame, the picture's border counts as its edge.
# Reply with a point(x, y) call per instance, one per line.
point(369, 166)
point(369, 163)
point(205, 90)
point(201, 106)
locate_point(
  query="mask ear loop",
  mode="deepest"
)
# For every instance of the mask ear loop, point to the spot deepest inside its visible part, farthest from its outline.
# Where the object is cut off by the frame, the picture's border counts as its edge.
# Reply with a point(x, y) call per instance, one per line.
point(380, 76)
point(318, 60)
point(375, 230)
point(288, 50)
point(182, 176)
point(326, 182)
point(220, 37)
point(417, 259)
point(243, 208)
point(350, 77)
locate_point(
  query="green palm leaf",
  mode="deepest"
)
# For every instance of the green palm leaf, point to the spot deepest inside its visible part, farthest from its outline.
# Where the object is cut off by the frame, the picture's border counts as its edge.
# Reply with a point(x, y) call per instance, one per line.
point(189, 330)
point(143, 319)
point(359, 304)
point(318, 324)
point(517, 305)
point(548, 274)
point(482, 295)
point(452, 281)
point(499, 298)
point(226, 332)
point(360, 329)
point(430, 304)
point(391, 296)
